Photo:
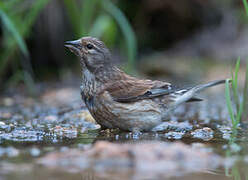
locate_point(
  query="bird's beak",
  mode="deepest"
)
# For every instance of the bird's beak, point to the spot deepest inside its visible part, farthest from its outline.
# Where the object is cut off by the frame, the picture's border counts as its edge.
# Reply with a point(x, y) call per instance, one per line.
point(74, 46)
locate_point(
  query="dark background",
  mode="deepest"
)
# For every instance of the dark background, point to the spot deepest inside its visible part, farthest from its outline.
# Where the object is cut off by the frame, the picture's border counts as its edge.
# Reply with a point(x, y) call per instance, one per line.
point(175, 33)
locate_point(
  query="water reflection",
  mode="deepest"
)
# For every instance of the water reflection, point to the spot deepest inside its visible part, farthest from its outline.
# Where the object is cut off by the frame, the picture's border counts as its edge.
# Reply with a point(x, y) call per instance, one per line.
point(238, 169)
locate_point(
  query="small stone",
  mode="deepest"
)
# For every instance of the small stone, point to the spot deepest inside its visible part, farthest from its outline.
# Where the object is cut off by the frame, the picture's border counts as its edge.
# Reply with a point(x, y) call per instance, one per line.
point(34, 152)
point(205, 133)
point(156, 158)
point(174, 135)
point(12, 152)
point(175, 126)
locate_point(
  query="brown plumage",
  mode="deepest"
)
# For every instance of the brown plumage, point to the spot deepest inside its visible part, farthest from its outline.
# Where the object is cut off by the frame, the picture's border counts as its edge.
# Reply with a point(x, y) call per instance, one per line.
point(117, 100)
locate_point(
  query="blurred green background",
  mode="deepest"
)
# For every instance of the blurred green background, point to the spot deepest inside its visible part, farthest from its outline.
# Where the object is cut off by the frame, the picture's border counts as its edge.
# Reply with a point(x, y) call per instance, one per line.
point(140, 34)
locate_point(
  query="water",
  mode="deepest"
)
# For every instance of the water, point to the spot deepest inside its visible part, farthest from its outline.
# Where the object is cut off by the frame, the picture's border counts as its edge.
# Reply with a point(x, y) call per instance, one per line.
point(40, 140)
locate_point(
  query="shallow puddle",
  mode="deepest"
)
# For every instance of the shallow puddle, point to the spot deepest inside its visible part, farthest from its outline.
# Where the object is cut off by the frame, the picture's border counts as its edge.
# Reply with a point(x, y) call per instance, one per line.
point(50, 141)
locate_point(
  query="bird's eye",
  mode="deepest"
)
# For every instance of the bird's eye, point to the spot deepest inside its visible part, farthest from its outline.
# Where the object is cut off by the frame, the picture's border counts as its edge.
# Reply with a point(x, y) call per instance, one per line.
point(89, 46)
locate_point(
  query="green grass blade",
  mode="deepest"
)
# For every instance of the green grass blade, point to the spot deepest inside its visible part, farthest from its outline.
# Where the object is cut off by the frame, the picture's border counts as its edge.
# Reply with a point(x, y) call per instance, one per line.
point(245, 95)
point(126, 29)
point(20, 27)
point(235, 84)
point(9, 25)
point(229, 101)
point(245, 6)
point(236, 72)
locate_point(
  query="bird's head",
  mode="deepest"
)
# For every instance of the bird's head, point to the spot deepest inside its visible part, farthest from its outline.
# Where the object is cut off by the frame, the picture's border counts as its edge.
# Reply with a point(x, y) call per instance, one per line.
point(92, 52)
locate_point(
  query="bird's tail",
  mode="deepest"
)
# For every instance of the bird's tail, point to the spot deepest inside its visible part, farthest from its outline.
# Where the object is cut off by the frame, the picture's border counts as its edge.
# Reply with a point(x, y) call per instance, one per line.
point(207, 85)
point(186, 95)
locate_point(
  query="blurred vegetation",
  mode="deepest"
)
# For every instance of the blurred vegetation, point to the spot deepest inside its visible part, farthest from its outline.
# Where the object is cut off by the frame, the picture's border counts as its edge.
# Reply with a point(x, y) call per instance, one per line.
point(101, 19)
point(88, 17)
point(238, 171)
point(17, 24)
point(239, 111)
point(33, 31)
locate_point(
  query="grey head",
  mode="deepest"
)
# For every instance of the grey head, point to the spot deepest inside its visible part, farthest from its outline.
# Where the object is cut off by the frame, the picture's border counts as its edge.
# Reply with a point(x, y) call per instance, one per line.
point(92, 52)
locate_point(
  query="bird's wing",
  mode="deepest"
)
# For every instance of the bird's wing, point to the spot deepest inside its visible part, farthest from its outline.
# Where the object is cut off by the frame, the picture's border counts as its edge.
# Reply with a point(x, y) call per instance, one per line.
point(133, 90)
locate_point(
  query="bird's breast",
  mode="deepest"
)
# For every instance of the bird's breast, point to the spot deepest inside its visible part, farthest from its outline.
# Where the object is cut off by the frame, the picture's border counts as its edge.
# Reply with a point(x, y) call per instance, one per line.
point(142, 115)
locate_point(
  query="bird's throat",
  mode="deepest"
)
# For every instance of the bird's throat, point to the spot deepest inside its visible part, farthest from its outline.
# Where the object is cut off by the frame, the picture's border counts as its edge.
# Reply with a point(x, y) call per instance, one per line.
point(93, 81)
point(89, 83)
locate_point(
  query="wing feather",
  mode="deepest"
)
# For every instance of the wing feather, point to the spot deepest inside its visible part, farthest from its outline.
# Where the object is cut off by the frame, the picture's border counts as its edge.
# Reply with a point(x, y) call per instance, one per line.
point(134, 89)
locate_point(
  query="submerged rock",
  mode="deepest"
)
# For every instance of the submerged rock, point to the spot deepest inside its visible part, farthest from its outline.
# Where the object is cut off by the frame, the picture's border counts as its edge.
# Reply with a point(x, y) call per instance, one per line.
point(34, 152)
point(175, 126)
point(205, 133)
point(144, 158)
point(20, 134)
point(174, 135)
point(9, 152)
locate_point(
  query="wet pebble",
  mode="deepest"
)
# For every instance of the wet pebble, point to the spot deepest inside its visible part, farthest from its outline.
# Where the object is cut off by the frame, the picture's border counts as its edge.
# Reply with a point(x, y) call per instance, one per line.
point(175, 126)
point(9, 152)
point(205, 133)
point(161, 158)
point(23, 134)
point(69, 131)
point(174, 135)
point(34, 152)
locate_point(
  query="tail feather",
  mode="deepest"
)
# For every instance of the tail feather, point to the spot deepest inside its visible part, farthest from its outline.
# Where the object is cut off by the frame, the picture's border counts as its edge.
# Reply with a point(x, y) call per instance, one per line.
point(188, 95)
point(207, 85)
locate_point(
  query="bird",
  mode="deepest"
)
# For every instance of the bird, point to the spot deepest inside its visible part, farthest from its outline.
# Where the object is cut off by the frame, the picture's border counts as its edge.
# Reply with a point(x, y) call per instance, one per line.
point(118, 100)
